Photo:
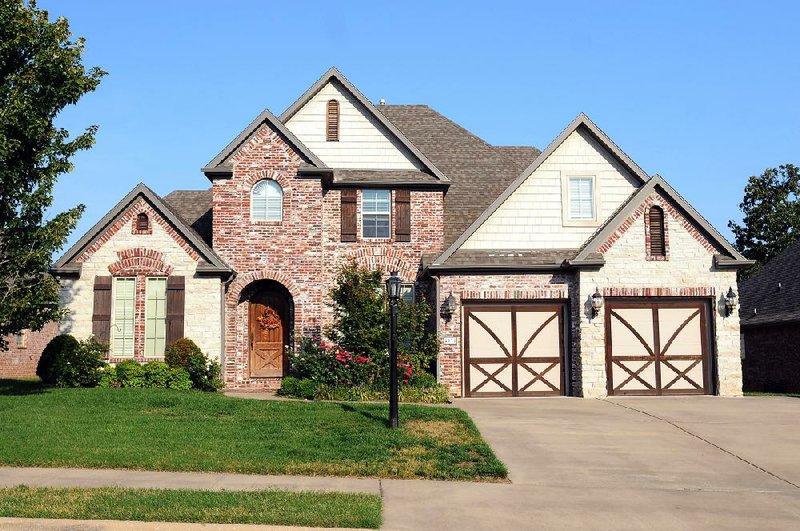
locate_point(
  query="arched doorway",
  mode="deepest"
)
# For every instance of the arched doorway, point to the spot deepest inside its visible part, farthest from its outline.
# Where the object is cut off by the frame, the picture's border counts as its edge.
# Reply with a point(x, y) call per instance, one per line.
point(270, 324)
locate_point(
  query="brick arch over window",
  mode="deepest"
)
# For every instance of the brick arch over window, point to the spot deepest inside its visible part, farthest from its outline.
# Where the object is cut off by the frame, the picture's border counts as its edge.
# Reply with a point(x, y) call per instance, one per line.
point(140, 261)
point(279, 177)
point(390, 260)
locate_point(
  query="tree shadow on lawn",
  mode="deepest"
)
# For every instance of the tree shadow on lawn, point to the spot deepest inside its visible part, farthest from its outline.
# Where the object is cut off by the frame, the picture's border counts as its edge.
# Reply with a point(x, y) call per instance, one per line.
point(20, 387)
point(367, 414)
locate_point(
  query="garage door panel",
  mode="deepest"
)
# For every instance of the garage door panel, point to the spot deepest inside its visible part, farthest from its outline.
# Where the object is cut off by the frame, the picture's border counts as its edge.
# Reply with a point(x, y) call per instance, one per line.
point(513, 349)
point(657, 347)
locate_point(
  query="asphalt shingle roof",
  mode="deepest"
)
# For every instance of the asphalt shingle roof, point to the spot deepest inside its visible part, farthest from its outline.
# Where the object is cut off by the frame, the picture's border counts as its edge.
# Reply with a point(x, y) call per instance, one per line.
point(194, 206)
point(772, 294)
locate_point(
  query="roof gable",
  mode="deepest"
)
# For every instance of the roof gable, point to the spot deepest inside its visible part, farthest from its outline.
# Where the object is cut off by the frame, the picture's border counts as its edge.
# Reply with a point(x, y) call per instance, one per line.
point(344, 86)
point(213, 263)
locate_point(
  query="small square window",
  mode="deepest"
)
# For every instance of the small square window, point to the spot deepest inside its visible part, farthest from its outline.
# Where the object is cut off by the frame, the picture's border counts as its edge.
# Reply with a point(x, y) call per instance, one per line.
point(581, 198)
point(376, 217)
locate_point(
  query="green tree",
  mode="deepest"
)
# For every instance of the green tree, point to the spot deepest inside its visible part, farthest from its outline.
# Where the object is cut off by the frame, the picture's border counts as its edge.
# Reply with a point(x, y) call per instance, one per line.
point(771, 221)
point(40, 74)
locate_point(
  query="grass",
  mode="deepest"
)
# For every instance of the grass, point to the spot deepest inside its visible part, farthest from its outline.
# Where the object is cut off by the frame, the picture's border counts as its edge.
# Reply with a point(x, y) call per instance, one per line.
point(156, 429)
point(759, 393)
point(315, 509)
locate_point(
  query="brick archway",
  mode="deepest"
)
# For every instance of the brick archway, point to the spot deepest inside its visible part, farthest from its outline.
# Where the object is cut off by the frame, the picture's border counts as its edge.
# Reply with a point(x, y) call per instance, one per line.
point(389, 260)
point(243, 281)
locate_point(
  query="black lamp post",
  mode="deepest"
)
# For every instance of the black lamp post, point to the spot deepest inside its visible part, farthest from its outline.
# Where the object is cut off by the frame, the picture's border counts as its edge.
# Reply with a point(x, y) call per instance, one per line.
point(393, 292)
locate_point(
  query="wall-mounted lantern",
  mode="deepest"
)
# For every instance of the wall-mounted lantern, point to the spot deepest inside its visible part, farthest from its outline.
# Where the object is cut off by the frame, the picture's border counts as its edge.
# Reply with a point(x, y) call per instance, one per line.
point(597, 302)
point(730, 302)
point(448, 308)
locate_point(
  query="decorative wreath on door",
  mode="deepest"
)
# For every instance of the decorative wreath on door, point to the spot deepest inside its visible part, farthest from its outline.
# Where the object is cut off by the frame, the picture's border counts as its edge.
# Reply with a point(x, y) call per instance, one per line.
point(269, 320)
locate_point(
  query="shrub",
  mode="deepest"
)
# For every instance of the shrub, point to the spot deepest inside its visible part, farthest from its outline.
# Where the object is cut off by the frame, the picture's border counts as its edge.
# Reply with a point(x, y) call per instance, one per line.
point(326, 363)
point(204, 373)
point(178, 379)
point(66, 362)
point(130, 374)
point(297, 388)
point(108, 377)
point(155, 374)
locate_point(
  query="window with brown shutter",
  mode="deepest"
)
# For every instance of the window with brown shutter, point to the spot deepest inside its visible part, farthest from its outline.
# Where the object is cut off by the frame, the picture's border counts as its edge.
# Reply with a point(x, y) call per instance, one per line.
point(402, 214)
point(657, 242)
point(101, 312)
point(349, 215)
point(175, 308)
point(332, 122)
point(142, 222)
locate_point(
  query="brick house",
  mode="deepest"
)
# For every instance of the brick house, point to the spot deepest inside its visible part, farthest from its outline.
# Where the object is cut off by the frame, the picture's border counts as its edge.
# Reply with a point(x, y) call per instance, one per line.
point(771, 325)
point(515, 241)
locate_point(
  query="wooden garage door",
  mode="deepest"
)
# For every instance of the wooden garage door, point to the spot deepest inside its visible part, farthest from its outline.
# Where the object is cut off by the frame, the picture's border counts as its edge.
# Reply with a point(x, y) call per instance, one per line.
point(513, 349)
point(657, 347)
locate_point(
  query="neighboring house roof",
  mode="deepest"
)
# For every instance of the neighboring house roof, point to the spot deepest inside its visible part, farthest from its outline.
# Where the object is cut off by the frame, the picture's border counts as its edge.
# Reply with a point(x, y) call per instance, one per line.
point(385, 178)
point(334, 74)
point(194, 206)
point(772, 294)
point(581, 121)
point(588, 250)
point(212, 263)
point(220, 166)
point(478, 171)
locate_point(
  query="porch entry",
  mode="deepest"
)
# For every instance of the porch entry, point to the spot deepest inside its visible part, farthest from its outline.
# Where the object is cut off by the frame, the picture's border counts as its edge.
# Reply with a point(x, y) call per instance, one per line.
point(270, 318)
point(514, 349)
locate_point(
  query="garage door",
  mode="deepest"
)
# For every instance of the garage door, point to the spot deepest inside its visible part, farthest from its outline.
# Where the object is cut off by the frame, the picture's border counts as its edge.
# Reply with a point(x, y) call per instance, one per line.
point(513, 349)
point(657, 347)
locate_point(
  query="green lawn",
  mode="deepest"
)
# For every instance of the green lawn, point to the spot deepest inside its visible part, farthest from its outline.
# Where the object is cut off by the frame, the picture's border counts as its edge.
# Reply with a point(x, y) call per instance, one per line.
point(154, 429)
point(314, 509)
point(758, 393)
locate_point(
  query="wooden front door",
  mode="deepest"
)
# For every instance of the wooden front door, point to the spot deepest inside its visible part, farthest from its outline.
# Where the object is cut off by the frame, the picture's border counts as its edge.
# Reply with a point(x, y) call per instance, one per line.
point(269, 334)
point(514, 349)
point(657, 347)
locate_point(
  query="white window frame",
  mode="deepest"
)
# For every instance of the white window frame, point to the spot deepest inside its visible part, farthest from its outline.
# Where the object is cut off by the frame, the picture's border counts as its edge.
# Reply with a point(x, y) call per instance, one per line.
point(408, 288)
point(272, 201)
point(364, 213)
point(127, 350)
point(152, 348)
point(566, 211)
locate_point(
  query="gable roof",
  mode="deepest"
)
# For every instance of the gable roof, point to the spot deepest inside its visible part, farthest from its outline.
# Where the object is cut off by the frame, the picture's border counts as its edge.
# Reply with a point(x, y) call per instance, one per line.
point(478, 171)
point(772, 294)
point(334, 74)
point(735, 259)
point(581, 121)
point(194, 206)
point(213, 263)
point(219, 165)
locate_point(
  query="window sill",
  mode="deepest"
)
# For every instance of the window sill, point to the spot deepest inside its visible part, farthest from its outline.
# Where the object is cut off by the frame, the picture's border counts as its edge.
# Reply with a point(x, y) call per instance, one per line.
point(656, 258)
point(580, 223)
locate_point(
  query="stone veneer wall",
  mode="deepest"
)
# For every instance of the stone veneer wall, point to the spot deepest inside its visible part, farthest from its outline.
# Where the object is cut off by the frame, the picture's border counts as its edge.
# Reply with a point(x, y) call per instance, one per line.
point(303, 251)
point(498, 287)
point(123, 251)
point(689, 271)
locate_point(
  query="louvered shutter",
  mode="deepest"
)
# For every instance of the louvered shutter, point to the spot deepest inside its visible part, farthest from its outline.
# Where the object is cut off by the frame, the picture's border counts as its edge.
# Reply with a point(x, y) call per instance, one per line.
point(332, 122)
point(101, 311)
point(402, 215)
point(349, 215)
point(657, 244)
point(175, 308)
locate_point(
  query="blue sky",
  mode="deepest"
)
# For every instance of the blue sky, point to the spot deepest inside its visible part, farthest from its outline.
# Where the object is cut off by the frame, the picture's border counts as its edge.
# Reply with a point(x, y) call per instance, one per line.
point(703, 93)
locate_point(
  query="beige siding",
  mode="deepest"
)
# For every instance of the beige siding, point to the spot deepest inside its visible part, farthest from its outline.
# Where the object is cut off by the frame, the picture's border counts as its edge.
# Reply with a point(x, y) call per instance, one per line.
point(363, 141)
point(690, 266)
point(202, 319)
point(531, 218)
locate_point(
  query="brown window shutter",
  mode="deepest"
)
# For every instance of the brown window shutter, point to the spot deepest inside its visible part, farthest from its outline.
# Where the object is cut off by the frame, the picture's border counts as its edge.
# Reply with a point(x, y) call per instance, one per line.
point(402, 215)
point(175, 308)
point(657, 243)
point(349, 215)
point(332, 122)
point(101, 312)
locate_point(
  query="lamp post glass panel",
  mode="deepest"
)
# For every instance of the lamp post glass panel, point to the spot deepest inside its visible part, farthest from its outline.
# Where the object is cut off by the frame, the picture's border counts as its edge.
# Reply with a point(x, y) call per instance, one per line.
point(393, 292)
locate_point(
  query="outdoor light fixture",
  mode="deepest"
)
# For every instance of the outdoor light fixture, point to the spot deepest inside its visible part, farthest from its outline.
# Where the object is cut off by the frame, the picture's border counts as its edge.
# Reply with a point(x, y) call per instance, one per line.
point(393, 292)
point(448, 308)
point(597, 302)
point(730, 302)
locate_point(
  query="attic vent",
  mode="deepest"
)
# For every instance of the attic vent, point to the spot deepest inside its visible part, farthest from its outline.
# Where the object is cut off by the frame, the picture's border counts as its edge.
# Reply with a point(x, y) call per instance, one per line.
point(657, 242)
point(332, 122)
point(142, 222)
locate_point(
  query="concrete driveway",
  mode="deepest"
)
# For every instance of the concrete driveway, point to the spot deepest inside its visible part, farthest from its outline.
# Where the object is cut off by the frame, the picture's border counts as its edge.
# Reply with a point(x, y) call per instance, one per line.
point(626, 463)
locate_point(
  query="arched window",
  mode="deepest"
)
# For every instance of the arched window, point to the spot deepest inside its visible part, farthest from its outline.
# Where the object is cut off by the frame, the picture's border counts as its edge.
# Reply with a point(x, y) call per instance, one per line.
point(658, 246)
point(332, 122)
point(266, 201)
point(142, 222)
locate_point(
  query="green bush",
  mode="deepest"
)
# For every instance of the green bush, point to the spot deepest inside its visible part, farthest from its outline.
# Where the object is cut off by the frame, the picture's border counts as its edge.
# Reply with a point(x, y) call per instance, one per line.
point(130, 374)
point(108, 377)
point(178, 379)
point(66, 362)
point(311, 390)
point(297, 388)
point(204, 373)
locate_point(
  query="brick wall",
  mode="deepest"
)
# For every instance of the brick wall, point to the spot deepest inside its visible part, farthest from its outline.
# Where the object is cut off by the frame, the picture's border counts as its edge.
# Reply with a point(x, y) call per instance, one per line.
point(771, 361)
point(303, 252)
point(20, 361)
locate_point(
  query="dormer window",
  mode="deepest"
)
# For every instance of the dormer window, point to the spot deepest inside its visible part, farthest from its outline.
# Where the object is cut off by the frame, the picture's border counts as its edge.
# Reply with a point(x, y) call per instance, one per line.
point(332, 122)
point(142, 222)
